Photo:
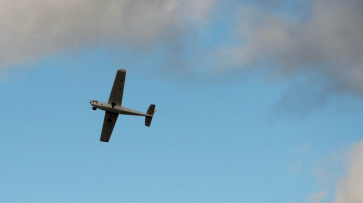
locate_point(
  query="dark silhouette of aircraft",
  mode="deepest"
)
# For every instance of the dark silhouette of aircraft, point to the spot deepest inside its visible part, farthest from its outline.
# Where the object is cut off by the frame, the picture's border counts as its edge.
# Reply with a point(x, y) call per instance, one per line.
point(113, 108)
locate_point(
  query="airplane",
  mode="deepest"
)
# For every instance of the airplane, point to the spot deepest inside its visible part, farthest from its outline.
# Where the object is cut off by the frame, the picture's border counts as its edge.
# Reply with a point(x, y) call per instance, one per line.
point(113, 108)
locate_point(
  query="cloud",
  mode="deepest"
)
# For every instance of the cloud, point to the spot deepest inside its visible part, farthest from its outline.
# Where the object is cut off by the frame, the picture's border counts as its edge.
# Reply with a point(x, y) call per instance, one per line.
point(329, 41)
point(317, 197)
point(341, 175)
point(34, 29)
point(323, 43)
point(349, 188)
point(302, 99)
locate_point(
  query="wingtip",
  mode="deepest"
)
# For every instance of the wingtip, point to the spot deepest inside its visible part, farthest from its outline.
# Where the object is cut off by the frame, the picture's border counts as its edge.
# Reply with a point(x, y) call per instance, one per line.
point(122, 70)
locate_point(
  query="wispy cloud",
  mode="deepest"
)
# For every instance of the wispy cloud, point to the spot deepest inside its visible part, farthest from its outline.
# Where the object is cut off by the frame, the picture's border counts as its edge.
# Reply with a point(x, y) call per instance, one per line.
point(317, 197)
point(339, 176)
point(349, 188)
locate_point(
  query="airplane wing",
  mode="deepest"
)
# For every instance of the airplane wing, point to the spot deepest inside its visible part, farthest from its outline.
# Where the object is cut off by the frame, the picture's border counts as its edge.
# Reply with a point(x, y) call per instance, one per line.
point(118, 87)
point(108, 124)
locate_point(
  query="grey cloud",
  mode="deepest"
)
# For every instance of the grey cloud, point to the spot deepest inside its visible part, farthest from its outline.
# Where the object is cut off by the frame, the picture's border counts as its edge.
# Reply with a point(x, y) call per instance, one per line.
point(302, 99)
point(33, 29)
point(323, 41)
point(326, 42)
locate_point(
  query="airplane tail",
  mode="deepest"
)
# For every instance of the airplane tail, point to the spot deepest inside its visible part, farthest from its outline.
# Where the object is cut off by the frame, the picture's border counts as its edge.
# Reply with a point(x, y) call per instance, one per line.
point(151, 112)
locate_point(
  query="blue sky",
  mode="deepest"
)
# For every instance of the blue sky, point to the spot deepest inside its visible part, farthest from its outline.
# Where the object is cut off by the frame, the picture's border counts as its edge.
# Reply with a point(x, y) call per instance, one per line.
point(257, 101)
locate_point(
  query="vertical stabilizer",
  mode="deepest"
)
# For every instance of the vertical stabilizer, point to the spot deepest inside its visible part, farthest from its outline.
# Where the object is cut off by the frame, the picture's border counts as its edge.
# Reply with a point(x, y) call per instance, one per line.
point(151, 112)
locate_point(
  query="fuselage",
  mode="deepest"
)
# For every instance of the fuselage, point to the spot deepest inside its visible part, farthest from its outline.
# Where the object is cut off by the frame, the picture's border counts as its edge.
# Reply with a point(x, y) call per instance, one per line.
point(116, 109)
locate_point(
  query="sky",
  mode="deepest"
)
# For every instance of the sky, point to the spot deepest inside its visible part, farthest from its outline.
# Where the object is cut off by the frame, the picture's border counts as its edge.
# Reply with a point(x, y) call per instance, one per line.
point(257, 101)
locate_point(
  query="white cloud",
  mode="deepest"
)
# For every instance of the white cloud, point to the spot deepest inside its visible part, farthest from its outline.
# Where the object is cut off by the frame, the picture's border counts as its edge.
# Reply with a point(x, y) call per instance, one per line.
point(349, 189)
point(37, 28)
point(348, 185)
